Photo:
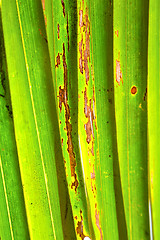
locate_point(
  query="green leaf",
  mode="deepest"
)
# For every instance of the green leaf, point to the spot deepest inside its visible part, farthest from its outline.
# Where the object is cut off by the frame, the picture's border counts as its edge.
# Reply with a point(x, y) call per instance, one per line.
point(74, 152)
point(35, 119)
point(13, 221)
point(63, 15)
point(130, 81)
point(109, 195)
point(154, 113)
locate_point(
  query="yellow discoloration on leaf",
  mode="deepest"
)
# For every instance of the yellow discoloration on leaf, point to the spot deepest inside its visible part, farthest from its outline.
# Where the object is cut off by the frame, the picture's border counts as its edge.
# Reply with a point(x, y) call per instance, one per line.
point(98, 222)
point(87, 107)
point(79, 228)
point(63, 99)
point(43, 5)
point(118, 73)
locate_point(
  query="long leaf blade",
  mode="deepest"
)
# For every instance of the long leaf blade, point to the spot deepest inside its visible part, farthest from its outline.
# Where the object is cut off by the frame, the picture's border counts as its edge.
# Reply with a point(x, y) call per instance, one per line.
point(12, 208)
point(154, 113)
point(130, 80)
point(36, 125)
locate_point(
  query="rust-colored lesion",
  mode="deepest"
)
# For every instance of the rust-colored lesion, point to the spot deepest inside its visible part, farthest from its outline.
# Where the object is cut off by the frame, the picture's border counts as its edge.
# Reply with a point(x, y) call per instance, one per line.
point(133, 90)
point(94, 114)
point(87, 34)
point(63, 99)
point(58, 62)
point(81, 19)
point(89, 111)
point(86, 68)
point(58, 30)
point(93, 186)
point(92, 149)
point(84, 50)
point(67, 28)
point(90, 116)
point(118, 72)
point(87, 49)
point(80, 59)
point(43, 35)
point(43, 6)
point(92, 73)
point(79, 228)
point(117, 33)
point(93, 173)
point(65, 164)
point(63, 6)
point(98, 222)
point(145, 95)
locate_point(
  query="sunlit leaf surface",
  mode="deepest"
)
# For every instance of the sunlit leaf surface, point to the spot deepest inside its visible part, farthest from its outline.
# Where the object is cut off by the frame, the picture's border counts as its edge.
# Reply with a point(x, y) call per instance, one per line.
point(76, 132)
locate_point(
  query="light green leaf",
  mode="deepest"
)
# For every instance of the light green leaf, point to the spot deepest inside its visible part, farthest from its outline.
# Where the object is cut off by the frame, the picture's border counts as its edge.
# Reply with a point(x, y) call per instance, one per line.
point(154, 113)
point(130, 81)
point(35, 119)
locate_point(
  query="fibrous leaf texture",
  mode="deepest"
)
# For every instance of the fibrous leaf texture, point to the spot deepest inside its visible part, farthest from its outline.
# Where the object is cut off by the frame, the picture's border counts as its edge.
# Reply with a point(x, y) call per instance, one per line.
point(79, 119)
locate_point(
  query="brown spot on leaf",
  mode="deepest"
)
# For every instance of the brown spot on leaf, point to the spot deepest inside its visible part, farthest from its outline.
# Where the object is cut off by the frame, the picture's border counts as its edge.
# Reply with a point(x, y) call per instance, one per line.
point(75, 183)
point(134, 90)
point(63, 98)
point(79, 228)
point(92, 149)
point(117, 33)
point(81, 19)
point(80, 59)
point(84, 28)
point(93, 174)
point(43, 35)
point(65, 164)
point(93, 187)
point(58, 30)
point(98, 222)
point(87, 33)
point(94, 115)
point(145, 95)
point(63, 6)
point(62, 142)
point(110, 100)
point(89, 114)
point(87, 49)
point(118, 73)
point(58, 60)
point(86, 68)
point(92, 73)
